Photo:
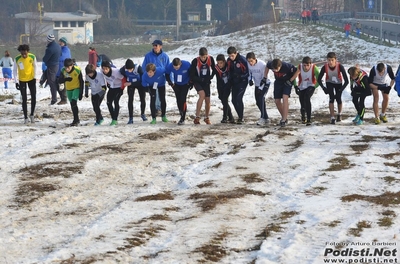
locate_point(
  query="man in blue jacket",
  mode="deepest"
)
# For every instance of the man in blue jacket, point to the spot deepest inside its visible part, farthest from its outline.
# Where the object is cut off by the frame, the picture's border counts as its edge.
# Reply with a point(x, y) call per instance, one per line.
point(160, 59)
point(51, 58)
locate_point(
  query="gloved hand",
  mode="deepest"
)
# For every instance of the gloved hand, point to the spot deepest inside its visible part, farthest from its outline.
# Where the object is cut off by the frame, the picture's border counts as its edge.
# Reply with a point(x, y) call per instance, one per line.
point(68, 79)
point(251, 83)
point(171, 84)
point(263, 81)
point(17, 86)
point(80, 95)
point(104, 88)
point(288, 83)
point(61, 87)
point(325, 89)
point(86, 95)
point(297, 90)
point(108, 85)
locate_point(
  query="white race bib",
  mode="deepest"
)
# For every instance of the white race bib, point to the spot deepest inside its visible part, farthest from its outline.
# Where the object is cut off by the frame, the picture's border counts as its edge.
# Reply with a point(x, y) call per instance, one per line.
point(155, 85)
point(179, 78)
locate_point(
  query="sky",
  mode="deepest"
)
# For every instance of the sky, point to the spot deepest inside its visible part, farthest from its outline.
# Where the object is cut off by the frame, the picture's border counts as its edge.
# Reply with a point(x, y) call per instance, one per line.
point(218, 193)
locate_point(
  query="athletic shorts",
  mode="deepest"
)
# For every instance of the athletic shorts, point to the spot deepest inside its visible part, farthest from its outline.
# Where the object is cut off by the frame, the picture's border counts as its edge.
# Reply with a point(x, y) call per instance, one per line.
point(73, 94)
point(203, 87)
point(280, 88)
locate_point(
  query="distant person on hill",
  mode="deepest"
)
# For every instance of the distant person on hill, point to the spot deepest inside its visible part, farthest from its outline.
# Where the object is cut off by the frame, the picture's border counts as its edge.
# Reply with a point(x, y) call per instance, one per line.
point(96, 82)
point(51, 58)
point(307, 73)
point(93, 57)
point(335, 75)
point(304, 16)
point(358, 28)
point(315, 15)
point(24, 74)
point(133, 80)
point(347, 29)
point(283, 73)
point(239, 77)
point(224, 88)
point(201, 74)
point(261, 85)
point(360, 89)
point(308, 16)
point(179, 83)
point(377, 82)
point(6, 63)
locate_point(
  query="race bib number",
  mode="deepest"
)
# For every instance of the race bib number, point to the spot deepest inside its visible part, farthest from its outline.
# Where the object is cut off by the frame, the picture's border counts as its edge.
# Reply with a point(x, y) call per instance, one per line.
point(179, 78)
point(155, 85)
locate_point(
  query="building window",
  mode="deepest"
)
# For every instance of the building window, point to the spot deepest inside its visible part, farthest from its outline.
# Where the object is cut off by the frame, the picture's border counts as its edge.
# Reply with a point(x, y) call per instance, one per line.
point(57, 24)
point(73, 23)
point(65, 24)
point(81, 23)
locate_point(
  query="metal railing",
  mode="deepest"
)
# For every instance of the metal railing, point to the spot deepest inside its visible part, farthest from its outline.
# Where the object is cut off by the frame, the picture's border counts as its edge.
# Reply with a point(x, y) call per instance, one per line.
point(339, 19)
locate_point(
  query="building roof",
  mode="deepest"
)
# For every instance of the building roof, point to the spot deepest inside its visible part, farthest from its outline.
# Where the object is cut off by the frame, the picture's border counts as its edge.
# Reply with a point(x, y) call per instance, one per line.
point(59, 16)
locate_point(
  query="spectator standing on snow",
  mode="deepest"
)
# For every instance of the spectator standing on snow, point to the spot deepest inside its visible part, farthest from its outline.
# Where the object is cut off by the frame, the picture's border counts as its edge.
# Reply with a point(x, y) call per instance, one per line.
point(51, 58)
point(160, 59)
point(6, 63)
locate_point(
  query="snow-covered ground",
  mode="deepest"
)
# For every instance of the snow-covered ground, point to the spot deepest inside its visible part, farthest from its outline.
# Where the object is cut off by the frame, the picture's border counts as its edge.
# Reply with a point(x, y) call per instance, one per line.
point(222, 193)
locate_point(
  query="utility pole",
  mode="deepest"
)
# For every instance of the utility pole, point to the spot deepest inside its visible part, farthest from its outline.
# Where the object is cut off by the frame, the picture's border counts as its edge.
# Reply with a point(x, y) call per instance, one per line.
point(178, 18)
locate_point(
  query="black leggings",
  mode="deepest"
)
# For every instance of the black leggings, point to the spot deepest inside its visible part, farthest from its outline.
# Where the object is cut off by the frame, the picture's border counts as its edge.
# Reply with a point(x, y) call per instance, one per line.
point(161, 94)
point(142, 96)
point(223, 94)
point(96, 102)
point(305, 101)
point(359, 104)
point(238, 90)
point(32, 88)
point(181, 92)
point(335, 92)
point(113, 96)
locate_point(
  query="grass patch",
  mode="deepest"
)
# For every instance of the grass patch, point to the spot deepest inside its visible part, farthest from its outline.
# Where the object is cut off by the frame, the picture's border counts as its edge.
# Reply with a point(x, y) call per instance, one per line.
point(156, 197)
point(141, 237)
point(385, 199)
point(4, 97)
point(390, 179)
point(356, 231)
point(359, 148)
point(385, 221)
point(315, 190)
point(334, 223)
point(252, 178)
point(393, 164)
point(205, 184)
point(295, 145)
point(339, 163)
point(29, 192)
point(208, 201)
point(276, 227)
point(50, 169)
point(390, 155)
point(214, 250)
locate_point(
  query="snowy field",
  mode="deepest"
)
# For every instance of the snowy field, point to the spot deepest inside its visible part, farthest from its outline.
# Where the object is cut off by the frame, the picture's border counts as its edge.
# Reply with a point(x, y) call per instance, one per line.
point(217, 193)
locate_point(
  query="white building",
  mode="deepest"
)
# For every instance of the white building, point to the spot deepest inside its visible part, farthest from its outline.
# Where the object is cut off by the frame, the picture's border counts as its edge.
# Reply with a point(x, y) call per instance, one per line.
point(77, 27)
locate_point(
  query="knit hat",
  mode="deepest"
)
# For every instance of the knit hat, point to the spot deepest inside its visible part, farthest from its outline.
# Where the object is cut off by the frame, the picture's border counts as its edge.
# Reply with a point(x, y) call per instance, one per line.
point(63, 40)
point(50, 38)
point(129, 64)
